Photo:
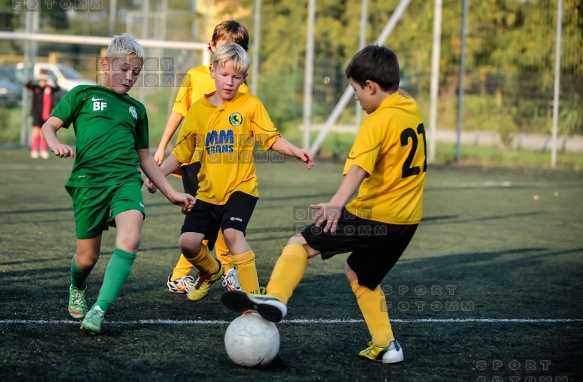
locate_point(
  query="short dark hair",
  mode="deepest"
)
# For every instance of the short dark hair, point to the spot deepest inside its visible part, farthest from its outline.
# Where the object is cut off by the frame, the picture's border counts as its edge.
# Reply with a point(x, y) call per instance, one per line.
point(232, 31)
point(377, 64)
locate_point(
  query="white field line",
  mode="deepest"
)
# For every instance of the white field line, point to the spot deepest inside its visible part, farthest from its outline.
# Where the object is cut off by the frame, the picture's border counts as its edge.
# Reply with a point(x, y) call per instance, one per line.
point(308, 321)
point(486, 184)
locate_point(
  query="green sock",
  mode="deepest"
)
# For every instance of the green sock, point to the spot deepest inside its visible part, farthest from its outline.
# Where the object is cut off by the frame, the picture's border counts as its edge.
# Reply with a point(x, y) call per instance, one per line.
point(78, 276)
point(116, 274)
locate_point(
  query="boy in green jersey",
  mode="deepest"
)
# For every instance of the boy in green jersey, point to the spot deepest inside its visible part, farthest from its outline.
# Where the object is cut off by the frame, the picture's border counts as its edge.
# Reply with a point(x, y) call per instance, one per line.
point(112, 145)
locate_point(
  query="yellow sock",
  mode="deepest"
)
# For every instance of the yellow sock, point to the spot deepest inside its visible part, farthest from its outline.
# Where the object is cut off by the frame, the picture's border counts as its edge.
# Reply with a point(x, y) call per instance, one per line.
point(373, 306)
point(222, 251)
point(288, 272)
point(204, 262)
point(226, 259)
point(246, 271)
point(182, 268)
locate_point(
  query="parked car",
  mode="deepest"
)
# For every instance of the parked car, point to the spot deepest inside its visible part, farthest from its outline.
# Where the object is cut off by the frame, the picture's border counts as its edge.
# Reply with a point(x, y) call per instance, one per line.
point(65, 76)
point(10, 89)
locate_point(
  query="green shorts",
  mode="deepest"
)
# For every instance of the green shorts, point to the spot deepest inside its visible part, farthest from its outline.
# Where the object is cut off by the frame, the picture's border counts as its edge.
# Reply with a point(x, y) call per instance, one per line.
point(95, 208)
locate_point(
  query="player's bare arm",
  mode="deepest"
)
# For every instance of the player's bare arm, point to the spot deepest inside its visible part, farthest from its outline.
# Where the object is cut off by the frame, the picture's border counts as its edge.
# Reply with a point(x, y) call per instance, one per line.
point(49, 131)
point(156, 176)
point(330, 212)
point(171, 125)
point(170, 165)
point(283, 146)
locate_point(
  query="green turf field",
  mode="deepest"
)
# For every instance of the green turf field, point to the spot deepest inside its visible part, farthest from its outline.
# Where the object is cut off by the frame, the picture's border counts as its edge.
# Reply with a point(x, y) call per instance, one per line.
point(489, 289)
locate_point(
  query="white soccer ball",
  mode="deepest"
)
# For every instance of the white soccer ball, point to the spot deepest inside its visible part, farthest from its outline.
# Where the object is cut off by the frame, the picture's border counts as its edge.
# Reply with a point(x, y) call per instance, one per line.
point(251, 340)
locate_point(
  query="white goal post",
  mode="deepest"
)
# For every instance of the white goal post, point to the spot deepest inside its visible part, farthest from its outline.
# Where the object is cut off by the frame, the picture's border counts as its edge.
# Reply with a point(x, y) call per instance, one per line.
point(348, 92)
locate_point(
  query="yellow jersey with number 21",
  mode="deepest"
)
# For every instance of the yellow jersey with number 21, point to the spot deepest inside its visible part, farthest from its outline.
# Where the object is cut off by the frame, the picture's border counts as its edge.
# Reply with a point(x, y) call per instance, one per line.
point(390, 147)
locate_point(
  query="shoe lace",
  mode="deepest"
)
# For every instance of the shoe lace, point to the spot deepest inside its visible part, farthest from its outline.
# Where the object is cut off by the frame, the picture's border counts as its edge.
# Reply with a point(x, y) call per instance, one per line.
point(372, 351)
point(187, 281)
point(78, 296)
point(231, 281)
point(95, 316)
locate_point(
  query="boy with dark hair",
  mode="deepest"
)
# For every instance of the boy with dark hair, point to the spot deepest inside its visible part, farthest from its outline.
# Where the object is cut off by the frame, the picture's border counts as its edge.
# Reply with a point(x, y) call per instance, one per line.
point(387, 165)
point(112, 145)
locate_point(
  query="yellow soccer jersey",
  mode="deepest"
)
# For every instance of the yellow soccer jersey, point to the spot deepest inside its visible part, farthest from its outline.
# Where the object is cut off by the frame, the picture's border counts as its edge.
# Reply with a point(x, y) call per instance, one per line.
point(196, 83)
point(223, 140)
point(390, 147)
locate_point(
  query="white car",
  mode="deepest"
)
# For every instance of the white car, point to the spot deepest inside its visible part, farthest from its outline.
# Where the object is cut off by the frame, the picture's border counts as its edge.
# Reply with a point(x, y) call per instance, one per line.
point(65, 76)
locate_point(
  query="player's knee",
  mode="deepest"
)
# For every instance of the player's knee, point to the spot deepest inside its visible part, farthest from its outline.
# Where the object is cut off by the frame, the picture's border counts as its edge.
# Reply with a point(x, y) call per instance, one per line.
point(129, 243)
point(297, 239)
point(189, 246)
point(232, 236)
point(349, 272)
point(86, 260)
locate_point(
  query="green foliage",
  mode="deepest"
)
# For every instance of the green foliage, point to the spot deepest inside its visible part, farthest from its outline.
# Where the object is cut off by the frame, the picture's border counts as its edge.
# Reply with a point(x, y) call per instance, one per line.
point(512, 41)
point(8, 132)
point(571, 115)
point(480, 113)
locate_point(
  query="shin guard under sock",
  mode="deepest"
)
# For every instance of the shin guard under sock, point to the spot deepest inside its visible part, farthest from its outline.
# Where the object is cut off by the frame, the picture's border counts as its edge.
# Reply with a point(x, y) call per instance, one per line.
point(116, 274)
point(373, 306)
point(288, 272)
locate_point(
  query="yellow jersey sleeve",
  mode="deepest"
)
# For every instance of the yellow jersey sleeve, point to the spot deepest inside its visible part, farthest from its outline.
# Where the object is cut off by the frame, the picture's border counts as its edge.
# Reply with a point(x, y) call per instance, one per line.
point(263, 128)
point(185, 143)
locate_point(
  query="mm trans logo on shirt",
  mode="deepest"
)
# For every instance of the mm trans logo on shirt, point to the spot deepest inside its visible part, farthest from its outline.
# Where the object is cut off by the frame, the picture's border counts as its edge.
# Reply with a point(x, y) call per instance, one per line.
point(220, 141)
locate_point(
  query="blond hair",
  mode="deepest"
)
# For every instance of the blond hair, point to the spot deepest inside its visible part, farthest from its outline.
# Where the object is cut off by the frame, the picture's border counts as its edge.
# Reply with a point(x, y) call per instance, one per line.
point(125, 45)
point(235, 53)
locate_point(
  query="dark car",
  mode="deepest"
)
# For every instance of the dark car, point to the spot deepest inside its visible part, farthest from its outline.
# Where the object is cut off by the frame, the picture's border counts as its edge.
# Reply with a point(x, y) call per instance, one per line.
point(10, 89)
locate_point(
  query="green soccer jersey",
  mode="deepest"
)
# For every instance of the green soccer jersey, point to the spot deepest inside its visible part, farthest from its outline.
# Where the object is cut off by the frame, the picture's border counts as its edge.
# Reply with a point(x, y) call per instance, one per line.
point(109, 129)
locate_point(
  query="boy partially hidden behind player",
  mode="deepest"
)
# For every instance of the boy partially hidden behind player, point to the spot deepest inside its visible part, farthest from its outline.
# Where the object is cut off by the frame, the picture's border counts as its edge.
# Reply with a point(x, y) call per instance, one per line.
point(112, 144)
point(388, 162)
point(221, 129)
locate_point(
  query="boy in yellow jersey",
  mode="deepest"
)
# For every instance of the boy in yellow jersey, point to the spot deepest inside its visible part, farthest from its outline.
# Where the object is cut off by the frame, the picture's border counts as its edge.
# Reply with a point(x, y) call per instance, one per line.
point(112, 145)
point(220, 131)
point(195, 85)
point(387, 165)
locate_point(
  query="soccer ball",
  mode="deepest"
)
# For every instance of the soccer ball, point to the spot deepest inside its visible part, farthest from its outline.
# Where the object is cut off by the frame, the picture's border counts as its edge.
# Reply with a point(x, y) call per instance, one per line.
point(251, 341)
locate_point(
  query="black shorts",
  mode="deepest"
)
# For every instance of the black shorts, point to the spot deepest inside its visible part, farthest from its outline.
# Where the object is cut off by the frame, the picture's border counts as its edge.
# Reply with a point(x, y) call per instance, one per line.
point(37, 120)
point(375, 247)
point(207, 218)
point(190, 177)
